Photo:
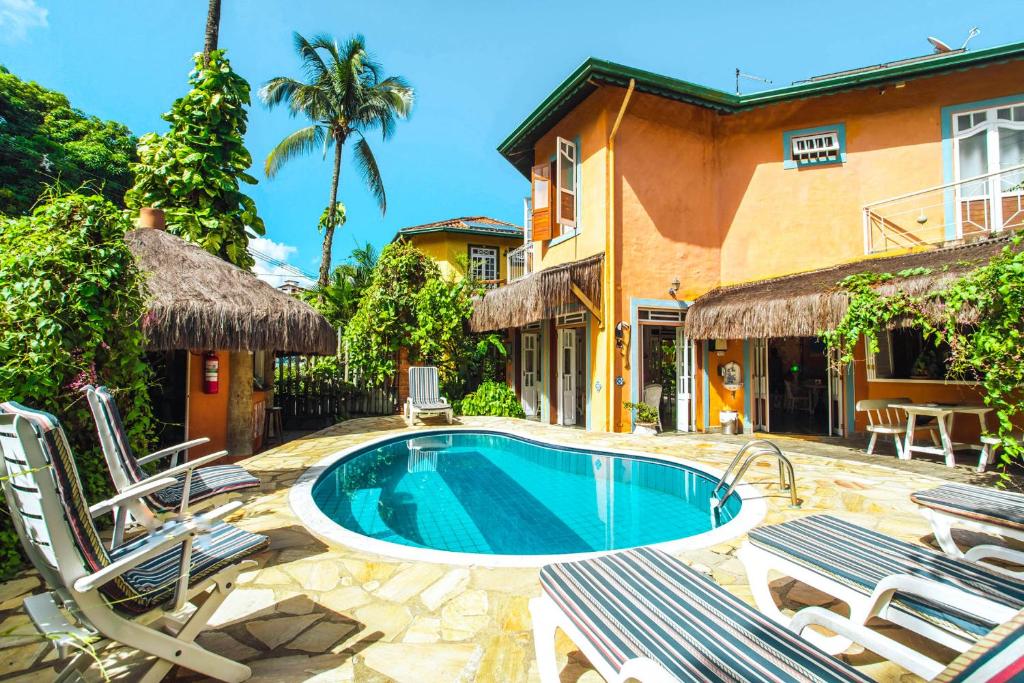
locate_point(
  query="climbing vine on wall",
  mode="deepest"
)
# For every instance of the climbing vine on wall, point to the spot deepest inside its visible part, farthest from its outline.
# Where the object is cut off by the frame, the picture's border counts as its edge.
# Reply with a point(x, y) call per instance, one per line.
point(990, 349)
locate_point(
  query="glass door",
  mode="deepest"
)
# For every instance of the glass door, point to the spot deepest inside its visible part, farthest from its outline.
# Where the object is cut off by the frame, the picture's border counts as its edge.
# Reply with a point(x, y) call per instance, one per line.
point(530, 363)
point(835, 395)
point(567, 376)
point(684, 381)
point(759, 379)
point(989, 142)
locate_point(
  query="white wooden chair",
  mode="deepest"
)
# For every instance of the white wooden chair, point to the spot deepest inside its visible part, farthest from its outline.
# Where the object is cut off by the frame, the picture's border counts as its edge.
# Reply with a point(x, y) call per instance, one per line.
point(425, 396)
point(652, 398)
point(797, 399)
point(182, 571)
point(886, 419)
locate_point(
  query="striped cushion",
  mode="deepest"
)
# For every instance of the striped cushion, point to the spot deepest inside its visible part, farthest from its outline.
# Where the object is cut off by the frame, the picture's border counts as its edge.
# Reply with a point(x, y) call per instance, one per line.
point(424, 390)
point(1002, 508)
point(996, 658)
point(207, 482)
point(123, 592)
point(859, 558)
point(644, 603)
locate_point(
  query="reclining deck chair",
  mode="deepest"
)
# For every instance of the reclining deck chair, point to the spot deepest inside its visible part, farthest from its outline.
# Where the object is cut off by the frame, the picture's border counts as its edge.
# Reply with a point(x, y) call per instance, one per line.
point(98, 596)
point(952, 602)
point(195, 485)
point(983, 509)
point(425, 396)
point(642, 614)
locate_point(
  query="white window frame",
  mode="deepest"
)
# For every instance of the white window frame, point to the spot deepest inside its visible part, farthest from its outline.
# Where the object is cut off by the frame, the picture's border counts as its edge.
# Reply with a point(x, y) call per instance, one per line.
point(566, 153)
point(871, 366)
point(816, 148)
point(480, 254)
point(527, 219)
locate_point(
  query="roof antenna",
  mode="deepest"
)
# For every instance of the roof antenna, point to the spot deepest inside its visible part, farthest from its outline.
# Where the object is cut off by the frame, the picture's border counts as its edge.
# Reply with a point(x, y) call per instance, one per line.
point(970, 36)
point(740, 74)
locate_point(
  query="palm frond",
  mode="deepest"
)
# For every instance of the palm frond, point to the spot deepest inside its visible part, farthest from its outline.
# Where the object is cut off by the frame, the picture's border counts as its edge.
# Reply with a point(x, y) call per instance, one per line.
point(312, 64)
point(368, 169)
point(302, 141)
point(278, 90)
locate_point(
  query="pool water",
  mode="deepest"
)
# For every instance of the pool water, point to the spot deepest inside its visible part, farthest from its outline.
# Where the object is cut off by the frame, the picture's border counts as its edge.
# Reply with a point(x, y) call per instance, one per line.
point(477, 492)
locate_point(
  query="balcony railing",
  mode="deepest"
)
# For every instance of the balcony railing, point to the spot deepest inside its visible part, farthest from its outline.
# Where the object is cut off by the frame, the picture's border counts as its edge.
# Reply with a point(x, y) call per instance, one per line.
point(959, 211)
point(520, 262)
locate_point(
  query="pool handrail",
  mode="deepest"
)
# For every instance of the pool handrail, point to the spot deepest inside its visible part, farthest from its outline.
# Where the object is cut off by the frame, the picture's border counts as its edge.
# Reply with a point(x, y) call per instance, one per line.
point(764, 447)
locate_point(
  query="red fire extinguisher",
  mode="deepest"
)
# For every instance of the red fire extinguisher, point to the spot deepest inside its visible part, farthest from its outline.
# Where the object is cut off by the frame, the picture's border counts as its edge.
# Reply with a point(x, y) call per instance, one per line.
point(211, 373)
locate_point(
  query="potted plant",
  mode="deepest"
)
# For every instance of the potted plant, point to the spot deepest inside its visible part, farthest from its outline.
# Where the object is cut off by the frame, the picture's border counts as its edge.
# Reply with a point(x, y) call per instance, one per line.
point(645, 418)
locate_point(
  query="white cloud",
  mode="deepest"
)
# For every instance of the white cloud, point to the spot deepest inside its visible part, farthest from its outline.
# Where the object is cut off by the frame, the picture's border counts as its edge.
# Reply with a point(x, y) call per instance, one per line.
point(18, 16)
point(269, 256)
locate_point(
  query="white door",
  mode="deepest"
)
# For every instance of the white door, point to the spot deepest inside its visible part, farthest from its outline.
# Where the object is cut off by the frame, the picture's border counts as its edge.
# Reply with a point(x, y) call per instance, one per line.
point(759, 379)
point(567, 376)
point(989, 141)
point(530, 363)
point(684, 381)
point(835, 395)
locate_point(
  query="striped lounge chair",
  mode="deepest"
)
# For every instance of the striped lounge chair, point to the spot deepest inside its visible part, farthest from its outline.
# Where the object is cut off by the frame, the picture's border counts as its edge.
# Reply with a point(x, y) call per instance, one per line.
point(425, 396)
point(186, 567)
point(988, 510)
point(195, 485)
point(642, 614)
point(952, 602)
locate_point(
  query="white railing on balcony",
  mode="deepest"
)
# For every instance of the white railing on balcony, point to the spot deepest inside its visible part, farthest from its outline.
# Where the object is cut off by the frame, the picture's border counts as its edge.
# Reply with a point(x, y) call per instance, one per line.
point(520, 262)
point(957, 211)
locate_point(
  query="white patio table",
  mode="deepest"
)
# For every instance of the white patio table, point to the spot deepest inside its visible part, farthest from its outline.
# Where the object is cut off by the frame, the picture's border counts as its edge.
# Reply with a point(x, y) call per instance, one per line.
point(944, 414)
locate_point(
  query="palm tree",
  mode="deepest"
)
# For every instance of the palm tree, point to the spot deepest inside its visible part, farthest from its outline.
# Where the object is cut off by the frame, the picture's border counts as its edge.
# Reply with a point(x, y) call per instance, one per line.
point(212, 28)
point(346, 98)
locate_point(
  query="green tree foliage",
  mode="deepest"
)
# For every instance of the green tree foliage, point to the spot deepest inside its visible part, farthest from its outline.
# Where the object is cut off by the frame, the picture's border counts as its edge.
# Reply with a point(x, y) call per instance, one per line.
point(991, 350)
point(44, 141)
point(70, 306)
point(339, 300)
point(409, 305)
point(345, 97)
point(491, 398)
point(194, 171)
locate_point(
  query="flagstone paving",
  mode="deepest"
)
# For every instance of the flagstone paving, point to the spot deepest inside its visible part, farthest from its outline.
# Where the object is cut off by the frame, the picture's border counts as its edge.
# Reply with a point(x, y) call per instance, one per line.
point(315, 612)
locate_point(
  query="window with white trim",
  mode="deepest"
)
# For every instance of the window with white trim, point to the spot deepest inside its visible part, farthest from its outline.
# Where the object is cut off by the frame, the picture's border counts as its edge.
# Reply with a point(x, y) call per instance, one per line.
point(567, 183)
point(989, 143)
point(905, 354)
point(816, 148)
point(483, 263)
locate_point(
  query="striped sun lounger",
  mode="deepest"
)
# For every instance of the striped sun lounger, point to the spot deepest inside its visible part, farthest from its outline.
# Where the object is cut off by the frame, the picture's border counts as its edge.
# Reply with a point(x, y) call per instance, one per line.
point(988, 510)
point(643, 614)
point(425, 396)
point(877, 575)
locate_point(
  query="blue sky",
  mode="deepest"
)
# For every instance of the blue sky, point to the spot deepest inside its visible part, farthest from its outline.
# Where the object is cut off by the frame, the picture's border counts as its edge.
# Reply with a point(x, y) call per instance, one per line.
point(478, 68)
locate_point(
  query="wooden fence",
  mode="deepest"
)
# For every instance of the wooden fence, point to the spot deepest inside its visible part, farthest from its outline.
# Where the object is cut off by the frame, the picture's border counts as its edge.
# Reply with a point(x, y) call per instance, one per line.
point(315, 398)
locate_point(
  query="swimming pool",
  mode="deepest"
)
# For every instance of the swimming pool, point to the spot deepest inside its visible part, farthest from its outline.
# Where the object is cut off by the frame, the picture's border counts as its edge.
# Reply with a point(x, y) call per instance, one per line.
point(470, 496)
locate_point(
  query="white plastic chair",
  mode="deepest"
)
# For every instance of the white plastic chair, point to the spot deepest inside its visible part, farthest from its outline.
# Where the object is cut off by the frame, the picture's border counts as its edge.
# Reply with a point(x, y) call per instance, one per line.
point(796, 400)
point(425, 396)
point(652, 398)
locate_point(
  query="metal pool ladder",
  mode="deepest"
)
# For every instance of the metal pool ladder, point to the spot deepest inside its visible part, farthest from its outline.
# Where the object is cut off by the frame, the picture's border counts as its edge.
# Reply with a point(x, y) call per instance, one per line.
point(759, 447)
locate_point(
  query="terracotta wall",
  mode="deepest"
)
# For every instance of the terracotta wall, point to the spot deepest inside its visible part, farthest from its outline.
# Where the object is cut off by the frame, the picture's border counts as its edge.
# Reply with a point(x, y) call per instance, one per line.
point(719, 398)
point(208, 413)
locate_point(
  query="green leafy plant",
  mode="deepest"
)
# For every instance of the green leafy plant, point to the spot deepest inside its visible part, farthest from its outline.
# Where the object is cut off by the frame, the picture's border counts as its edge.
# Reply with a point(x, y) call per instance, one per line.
point(644, 413)
point(345, 98)
point(194, 171)
point(71, 303)
point(44, 141)
point(990, 349)
point(491, 398)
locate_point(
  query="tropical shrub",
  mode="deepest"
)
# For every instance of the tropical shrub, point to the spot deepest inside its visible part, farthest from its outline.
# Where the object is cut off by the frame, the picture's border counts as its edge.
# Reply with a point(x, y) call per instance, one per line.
point(70, 306)
point(194, 171)
point(645, 414)
point(44, 141)
point(990, 351)
point(491, 398)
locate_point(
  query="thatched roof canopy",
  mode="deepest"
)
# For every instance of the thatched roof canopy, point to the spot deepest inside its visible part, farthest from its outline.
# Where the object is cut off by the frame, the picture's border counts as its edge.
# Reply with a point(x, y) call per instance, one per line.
point(199, 301)
point(806, 304)
point(537, 296)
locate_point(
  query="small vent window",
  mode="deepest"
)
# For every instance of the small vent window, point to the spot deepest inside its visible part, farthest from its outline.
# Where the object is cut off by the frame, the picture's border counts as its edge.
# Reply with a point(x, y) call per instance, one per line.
point(571, 319)
point(816, 149)
point(659, 315)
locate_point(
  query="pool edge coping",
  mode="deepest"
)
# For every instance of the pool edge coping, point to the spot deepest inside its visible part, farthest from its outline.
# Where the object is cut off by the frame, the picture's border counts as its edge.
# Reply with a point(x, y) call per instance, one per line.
point(300, 499)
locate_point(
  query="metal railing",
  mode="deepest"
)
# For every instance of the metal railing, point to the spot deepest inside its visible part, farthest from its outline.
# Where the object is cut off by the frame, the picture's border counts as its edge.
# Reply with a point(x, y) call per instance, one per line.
point(787, 479)
point(520, 262)
point(951, 212)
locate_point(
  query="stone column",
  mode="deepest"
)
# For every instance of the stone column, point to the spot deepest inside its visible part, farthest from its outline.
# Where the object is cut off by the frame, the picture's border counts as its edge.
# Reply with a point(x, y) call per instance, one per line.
point(240, 404)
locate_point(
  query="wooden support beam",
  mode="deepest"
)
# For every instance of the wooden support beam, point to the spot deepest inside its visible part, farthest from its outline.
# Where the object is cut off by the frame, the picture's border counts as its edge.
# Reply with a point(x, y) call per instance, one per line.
point(585, 300)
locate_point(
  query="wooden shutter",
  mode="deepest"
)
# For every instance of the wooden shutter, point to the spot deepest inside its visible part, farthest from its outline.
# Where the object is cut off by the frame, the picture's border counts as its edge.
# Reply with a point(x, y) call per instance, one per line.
point(566, 182)
point(540, 181)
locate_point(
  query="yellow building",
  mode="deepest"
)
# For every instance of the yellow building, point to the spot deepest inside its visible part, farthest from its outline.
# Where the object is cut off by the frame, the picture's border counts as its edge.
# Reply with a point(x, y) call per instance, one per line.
point(478, 243)
point(654, 200)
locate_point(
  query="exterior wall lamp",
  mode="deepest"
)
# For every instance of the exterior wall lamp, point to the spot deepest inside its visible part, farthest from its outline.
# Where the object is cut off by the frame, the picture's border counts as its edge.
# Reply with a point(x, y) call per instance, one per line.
point(674, 287)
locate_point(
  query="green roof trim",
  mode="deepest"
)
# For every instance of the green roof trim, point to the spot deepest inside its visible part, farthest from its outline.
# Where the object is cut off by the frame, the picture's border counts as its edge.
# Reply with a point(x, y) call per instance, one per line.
point(517, 148)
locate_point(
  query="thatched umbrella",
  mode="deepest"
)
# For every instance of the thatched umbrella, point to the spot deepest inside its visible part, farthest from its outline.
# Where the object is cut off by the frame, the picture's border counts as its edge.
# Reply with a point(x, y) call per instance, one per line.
point(199, 301)
point(806, 304)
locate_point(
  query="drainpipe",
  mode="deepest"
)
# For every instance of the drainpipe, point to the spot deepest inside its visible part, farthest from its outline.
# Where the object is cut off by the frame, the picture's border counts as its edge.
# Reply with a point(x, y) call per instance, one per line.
point(611, 296)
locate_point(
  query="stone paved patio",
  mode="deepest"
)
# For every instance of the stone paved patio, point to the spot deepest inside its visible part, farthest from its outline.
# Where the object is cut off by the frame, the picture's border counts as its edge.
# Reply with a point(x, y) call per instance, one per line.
point(318, 613)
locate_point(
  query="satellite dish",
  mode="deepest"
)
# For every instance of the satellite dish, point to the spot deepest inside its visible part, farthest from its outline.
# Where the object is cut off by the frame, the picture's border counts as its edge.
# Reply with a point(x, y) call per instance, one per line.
point(939, 45)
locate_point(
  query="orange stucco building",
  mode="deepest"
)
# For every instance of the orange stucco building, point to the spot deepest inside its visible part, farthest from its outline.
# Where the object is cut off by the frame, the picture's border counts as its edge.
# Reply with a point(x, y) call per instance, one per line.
point(681, 190)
